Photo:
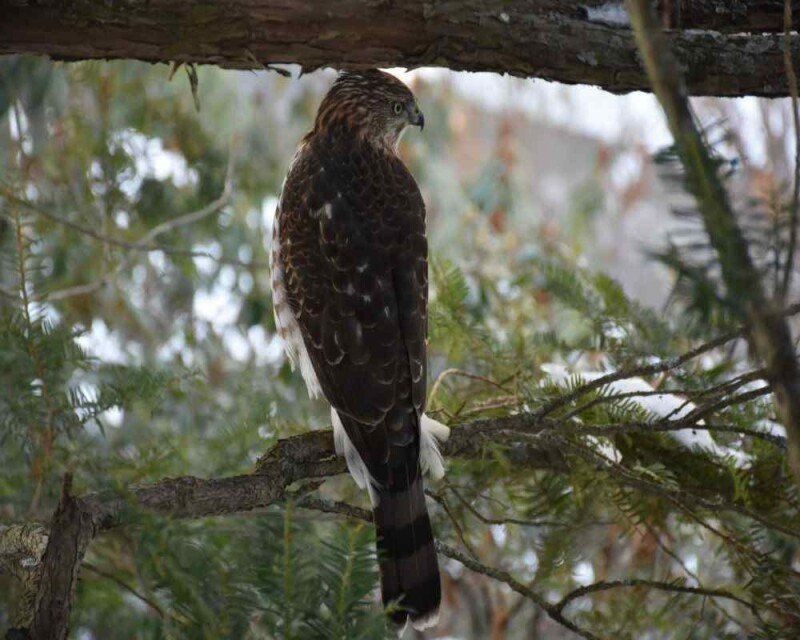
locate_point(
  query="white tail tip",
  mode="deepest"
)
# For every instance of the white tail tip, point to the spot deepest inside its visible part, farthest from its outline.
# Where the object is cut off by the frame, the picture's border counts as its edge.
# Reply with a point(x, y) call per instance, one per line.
point(426, 622)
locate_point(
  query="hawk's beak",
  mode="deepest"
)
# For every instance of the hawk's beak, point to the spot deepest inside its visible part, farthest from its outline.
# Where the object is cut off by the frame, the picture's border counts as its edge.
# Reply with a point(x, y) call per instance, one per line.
point(417, 118)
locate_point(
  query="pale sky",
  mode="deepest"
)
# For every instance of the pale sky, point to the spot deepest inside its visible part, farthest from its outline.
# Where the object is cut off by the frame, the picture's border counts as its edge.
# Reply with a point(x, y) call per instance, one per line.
point(634, 117)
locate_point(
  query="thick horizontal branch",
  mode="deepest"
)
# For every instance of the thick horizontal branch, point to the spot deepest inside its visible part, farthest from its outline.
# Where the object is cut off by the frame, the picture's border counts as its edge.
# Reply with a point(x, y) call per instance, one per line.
point(562, 41)
point(525, 440)
point(734, 16)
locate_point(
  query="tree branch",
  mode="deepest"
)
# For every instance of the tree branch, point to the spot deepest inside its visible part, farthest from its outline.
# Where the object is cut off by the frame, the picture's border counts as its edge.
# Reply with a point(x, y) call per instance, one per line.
point(563, 41)
point(70, 534)
point(604, 585)
point(22, 547)
point(145, 243)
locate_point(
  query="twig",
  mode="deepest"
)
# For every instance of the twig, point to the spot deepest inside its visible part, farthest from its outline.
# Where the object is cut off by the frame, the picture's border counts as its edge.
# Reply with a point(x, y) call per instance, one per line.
point(643, 370)
point(630, 477)
point(110, 576)
point(196, 216)
point(144, 243)
point(724, 387)
point(87, 231)
point(522, 589)
point(672, 554)
point(500, 521)
point(604, 585)
point(456, 524)
point(469, 562)
point(335, 506)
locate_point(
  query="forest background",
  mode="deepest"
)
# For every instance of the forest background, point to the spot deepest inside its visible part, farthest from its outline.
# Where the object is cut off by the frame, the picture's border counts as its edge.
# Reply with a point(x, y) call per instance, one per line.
point(137, 343)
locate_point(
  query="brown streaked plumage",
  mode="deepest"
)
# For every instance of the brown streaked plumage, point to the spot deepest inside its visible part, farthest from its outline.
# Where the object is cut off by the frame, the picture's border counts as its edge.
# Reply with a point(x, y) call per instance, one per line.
point(350, 291)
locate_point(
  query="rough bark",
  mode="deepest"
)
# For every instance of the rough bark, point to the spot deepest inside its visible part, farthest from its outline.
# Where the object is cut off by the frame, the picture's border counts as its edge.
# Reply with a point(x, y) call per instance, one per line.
point(730, 16)
point(70, 534)
point(770, 337)
point(725, 16)
point(531, 38)
point(22, 547)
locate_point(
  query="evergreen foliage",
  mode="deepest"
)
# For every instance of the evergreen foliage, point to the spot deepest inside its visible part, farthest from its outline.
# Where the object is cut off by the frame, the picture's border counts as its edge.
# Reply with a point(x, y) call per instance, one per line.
point(127, 361)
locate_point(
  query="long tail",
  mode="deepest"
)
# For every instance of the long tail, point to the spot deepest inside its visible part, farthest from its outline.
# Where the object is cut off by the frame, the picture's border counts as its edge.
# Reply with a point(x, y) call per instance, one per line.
point(410, 584)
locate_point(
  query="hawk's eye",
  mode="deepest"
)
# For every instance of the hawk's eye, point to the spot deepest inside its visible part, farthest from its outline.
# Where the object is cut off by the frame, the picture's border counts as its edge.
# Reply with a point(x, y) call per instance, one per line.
point(398, 108)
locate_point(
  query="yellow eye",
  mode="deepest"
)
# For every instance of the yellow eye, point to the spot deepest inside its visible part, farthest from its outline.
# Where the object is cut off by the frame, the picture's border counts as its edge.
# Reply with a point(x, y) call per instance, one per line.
point(398, 108)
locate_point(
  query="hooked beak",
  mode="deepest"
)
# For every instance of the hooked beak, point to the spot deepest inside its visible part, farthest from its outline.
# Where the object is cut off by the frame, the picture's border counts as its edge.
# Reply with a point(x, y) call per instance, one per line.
point(416, 117)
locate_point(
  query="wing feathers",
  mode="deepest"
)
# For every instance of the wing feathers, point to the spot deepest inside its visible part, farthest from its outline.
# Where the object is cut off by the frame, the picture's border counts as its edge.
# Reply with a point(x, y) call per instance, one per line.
point(353, 254)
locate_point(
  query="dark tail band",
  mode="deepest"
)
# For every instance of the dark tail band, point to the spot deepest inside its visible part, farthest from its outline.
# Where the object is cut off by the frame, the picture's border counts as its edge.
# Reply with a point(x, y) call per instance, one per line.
point(410, 584)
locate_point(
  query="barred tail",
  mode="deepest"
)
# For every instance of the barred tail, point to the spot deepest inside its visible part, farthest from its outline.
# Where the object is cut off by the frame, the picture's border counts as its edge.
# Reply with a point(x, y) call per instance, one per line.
point(406, 552)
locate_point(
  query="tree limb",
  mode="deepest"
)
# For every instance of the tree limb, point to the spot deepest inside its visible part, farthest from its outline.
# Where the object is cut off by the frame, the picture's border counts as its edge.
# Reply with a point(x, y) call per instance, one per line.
point(549, 39)
point(526, 440)
point(70, 534)
point(22, 547)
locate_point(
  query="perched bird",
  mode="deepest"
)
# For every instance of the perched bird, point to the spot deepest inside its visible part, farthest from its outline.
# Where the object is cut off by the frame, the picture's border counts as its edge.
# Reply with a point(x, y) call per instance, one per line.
point(350, 293)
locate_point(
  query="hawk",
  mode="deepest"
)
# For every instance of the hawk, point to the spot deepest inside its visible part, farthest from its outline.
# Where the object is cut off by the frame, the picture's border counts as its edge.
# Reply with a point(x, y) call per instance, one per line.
point(350, 293)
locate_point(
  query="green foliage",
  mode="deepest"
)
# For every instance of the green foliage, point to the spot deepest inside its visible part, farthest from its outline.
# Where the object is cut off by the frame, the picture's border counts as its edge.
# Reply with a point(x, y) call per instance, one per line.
point(126, 364)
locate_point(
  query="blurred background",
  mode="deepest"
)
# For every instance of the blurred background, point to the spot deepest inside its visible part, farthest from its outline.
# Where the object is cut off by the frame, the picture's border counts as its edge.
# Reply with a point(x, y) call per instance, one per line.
point(138, 340)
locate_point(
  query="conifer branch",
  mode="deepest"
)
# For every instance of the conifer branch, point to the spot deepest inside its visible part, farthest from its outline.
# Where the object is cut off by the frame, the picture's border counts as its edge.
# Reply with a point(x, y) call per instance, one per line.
point(527, 440)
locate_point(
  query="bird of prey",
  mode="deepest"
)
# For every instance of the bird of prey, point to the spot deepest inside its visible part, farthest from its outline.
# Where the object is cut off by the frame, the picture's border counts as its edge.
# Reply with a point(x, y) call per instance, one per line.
point(350, 293)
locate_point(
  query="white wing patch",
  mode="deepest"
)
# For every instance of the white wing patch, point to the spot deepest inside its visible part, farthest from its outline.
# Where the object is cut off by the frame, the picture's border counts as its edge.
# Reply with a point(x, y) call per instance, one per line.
point(430, 620)
point(288, 329)
point(432, 432)
point(345, 447)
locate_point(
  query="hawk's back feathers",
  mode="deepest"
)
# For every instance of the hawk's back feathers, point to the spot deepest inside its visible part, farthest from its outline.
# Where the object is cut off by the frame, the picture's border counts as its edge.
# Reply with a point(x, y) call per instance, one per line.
point(350, 290)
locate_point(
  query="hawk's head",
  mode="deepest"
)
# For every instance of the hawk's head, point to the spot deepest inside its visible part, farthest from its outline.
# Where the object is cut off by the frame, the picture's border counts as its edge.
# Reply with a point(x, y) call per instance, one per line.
point(371, 104)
